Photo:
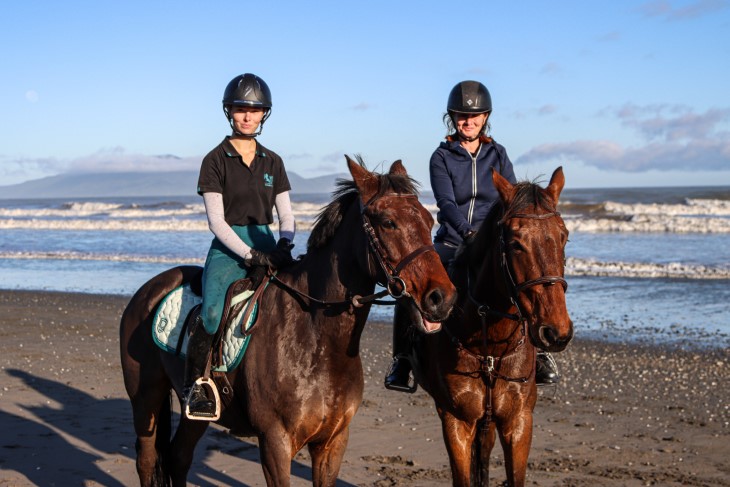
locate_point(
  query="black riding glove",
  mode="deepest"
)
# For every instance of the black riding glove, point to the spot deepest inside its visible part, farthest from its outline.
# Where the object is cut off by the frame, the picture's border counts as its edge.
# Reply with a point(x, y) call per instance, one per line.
point(284, 243)
point(277, 258)
point(282, 254)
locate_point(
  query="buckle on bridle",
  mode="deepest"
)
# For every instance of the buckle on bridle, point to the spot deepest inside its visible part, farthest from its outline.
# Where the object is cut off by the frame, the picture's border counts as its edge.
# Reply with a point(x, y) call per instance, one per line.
point(395, 292)
point(489, 360)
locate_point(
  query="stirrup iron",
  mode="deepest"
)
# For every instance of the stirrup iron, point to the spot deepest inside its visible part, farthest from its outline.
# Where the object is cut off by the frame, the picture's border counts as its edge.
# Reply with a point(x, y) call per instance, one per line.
point(206, 384)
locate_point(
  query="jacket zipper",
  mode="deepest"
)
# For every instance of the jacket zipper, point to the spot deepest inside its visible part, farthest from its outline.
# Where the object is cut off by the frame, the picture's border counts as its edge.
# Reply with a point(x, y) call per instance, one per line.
point(473, 183)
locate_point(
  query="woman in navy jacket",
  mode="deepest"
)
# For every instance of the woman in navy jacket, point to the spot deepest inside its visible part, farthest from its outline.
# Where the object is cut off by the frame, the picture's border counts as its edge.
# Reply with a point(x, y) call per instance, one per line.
point(460, 171)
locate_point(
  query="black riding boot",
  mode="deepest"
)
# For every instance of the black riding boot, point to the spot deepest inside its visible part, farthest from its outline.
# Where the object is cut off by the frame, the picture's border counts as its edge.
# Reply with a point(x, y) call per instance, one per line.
point(399, 376)
point(546, 370)
point(199, 345)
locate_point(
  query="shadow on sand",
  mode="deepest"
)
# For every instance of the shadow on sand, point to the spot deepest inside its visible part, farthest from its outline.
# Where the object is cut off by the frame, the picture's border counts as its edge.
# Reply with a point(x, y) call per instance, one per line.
point(67, 440)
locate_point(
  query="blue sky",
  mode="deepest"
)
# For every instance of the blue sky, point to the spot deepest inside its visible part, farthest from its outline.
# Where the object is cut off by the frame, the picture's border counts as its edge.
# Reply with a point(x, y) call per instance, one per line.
point(623, 93)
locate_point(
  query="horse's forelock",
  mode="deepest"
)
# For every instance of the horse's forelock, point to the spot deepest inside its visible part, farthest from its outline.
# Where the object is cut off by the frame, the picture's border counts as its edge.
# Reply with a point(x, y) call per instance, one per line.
point(527, 195)
point(397, 183)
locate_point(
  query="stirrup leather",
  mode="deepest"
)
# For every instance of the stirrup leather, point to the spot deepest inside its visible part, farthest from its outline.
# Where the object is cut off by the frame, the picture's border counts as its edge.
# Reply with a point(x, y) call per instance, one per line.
point(209, 384)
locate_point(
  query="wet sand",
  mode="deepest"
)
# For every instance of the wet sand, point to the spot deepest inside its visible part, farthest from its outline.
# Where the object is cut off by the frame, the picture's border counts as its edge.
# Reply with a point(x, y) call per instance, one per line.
point(624, 414)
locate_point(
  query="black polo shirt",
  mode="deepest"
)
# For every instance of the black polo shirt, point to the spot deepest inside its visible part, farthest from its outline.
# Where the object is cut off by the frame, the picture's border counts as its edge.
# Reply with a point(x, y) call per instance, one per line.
point(248, 191)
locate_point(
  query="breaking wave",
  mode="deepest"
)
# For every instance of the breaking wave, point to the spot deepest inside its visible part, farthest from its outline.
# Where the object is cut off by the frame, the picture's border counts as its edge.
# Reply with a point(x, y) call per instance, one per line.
point(574, 266)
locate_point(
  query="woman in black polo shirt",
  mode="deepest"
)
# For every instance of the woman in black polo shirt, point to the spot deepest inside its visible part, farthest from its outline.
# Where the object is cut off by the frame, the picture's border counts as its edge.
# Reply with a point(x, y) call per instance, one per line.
point(240, 181)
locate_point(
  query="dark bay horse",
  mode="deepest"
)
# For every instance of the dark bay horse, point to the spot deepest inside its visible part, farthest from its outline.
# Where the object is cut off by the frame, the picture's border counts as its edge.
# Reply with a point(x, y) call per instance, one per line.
point(301, 380)
point(480, 369)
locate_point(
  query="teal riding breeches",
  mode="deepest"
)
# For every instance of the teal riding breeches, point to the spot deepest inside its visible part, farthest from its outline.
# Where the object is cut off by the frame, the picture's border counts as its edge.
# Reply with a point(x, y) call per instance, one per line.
point(223, 268)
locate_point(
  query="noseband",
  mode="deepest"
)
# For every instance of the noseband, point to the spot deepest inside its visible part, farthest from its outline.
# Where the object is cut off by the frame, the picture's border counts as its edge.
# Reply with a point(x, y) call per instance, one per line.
point(394, 284)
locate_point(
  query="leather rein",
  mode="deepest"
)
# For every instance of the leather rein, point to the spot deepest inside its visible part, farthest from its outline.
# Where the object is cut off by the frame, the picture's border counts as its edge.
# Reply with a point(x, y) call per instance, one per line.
point(393, 284)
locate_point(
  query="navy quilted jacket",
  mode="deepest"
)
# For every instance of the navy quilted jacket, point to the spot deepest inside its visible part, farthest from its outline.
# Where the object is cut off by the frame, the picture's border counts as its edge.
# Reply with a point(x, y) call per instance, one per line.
point(463, 188)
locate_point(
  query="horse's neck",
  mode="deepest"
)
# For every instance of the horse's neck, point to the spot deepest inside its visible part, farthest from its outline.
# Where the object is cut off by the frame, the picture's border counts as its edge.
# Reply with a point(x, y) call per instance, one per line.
point(485, 287)
point(488, 278)
point(332, 276)
point(334, 273)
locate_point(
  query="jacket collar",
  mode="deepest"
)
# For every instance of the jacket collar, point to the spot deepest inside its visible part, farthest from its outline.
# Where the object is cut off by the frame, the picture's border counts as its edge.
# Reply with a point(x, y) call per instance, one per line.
point(452, 143)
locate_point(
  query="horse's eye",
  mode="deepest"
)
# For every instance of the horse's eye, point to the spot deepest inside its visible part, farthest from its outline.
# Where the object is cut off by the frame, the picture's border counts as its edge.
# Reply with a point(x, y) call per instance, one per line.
point(516, 246)
point(389, 224)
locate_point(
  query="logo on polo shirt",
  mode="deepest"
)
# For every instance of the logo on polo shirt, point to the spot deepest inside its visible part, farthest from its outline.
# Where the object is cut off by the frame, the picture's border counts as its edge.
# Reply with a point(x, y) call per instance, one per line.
point(268, 180)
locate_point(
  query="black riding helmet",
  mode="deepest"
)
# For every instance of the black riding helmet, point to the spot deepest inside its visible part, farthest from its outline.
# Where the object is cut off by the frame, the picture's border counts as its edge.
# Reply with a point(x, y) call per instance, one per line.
point(247, 90)
point(468, 97)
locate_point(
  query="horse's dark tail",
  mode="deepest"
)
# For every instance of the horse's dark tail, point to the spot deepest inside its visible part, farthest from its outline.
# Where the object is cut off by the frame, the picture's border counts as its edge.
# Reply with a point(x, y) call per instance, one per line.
point(480, 455)
point(162, 445)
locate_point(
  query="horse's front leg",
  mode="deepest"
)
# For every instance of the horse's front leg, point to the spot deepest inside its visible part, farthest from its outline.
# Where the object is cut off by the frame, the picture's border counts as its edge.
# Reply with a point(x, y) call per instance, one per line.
point(327, 458)
point(275, 446)
point(482, 450)
point(459, 437)
point(515, 434)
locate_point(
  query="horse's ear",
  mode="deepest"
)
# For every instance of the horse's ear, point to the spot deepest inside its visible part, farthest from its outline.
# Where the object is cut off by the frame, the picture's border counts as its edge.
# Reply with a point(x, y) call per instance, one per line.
point(504, 187)
point(557, 181)
point(366, 182)
point(398, 168)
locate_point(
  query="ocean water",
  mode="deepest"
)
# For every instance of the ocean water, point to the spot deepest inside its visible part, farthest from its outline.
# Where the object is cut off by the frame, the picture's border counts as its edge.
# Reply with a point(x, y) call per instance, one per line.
point(642, 263)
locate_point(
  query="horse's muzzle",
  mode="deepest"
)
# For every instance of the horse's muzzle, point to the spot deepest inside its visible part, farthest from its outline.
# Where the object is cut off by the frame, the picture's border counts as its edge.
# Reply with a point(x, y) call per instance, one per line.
point(437, 303)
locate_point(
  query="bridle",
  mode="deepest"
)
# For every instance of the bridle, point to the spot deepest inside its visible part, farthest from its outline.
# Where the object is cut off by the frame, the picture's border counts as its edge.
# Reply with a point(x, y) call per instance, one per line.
point(392, 283)
point(514, 289)
point(517, 289)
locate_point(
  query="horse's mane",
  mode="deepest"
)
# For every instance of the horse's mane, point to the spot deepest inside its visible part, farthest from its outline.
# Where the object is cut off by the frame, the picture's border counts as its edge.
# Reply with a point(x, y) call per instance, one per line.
point(345, 193)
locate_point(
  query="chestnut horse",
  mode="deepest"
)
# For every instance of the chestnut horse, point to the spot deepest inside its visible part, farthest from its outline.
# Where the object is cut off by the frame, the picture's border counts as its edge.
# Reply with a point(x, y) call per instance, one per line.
point(301, 380)
point(480, 369)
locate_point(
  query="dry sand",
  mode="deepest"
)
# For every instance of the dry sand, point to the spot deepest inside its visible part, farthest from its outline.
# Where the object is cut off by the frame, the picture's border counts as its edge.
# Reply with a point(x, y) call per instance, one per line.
point(624, 415)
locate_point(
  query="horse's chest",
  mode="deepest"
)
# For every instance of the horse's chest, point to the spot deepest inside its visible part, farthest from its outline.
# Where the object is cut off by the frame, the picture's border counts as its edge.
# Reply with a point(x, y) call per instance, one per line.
point(472, 400)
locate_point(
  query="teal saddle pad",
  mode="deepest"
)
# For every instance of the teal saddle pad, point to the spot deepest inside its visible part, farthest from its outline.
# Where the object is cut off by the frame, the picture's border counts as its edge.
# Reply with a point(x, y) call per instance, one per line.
point(169, 321)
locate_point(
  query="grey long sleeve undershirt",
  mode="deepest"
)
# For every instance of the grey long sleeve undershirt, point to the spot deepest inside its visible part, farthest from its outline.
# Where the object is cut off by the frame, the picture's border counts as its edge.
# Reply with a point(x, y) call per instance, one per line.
point(223, 231)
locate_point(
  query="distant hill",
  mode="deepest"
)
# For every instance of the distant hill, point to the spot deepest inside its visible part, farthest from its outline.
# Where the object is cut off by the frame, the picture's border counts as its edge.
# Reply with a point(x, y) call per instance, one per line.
point(176, 183)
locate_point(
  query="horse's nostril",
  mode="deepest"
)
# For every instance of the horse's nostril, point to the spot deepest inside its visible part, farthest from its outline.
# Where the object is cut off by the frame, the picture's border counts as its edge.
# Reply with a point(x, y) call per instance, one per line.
point(435, 298)
point(548, 334)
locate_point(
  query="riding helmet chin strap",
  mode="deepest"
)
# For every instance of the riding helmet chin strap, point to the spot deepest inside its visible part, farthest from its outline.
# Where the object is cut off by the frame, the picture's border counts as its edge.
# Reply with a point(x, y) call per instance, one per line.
point(236, 132)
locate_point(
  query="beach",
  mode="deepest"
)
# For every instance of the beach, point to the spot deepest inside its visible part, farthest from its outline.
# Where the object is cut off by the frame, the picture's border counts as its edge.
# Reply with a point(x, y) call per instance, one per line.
point(625, 413)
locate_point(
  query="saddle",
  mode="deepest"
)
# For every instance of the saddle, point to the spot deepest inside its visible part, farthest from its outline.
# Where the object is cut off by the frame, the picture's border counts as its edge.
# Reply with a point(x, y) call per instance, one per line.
point(179, 309)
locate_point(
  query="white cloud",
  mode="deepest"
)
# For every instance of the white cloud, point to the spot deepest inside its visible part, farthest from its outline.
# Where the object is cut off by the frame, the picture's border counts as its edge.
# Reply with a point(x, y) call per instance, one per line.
point(363, 106)
point(551, 68)
point(676, 138)
point(665, 9)
point(547, 109)
point(299, 155)
point(337, 156)
point(610, 36)
point(18, 169)
point(117, 160)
